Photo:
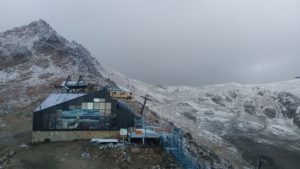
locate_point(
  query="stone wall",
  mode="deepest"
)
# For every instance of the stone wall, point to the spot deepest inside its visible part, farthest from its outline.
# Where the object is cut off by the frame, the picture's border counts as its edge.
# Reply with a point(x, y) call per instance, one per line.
point(40, 136)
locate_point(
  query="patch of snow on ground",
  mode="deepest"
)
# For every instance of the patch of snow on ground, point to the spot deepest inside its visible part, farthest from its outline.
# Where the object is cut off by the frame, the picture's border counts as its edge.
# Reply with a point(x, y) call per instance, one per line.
point(7, 76)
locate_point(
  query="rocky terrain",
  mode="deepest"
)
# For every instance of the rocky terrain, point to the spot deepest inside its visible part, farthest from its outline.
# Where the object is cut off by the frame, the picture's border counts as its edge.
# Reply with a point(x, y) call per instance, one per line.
point(33, 58)
point(81, 154)
point(239, 123)
point(226, 126)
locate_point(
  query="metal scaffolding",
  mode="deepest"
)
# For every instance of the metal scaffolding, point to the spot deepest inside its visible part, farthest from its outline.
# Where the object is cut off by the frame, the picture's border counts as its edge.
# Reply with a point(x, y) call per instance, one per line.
point(173, 143)
point(171, 140)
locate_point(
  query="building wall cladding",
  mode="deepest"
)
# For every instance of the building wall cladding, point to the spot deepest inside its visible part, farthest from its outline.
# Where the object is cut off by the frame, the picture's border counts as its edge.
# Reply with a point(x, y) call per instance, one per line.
point(122, 118)
point(40, 136)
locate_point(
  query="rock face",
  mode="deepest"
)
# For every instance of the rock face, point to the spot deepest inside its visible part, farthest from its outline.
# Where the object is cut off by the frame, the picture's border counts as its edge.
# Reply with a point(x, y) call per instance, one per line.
point(33, 58)
point(270, 112)
point(249, 107)
point(14, 56)
point(290, 104)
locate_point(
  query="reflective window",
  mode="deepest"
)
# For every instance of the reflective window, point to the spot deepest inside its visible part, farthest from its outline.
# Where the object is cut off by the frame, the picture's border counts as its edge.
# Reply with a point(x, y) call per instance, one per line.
point(107, 105)
point(90, 105)
point(84, 105)
point(96, 100)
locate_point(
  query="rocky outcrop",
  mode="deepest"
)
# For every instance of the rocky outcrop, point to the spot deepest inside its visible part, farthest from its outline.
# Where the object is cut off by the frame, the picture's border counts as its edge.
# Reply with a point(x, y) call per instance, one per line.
point(14, 55)
point(297, 120)
point(270, 112)
point(249, 107)
point(290, 104)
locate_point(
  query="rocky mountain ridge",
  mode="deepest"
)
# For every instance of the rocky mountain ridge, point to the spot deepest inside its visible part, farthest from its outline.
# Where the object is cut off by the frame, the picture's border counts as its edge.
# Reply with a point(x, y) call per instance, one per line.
point(33, 58)
point(235, 121)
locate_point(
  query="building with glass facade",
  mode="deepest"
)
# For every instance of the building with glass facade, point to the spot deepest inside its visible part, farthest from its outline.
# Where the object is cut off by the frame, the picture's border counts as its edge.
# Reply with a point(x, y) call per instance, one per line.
point(96, 111)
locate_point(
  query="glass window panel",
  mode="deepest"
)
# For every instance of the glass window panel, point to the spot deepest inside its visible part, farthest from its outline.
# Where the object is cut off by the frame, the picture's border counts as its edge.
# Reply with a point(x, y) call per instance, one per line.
point(108, 111)
point(101, 100)
point(102, 105)
point(96, 100)
point(108, 106)
point(84, 105)
point(90, 106)
point(64, 125)
point(97, 106)
point(102, 112)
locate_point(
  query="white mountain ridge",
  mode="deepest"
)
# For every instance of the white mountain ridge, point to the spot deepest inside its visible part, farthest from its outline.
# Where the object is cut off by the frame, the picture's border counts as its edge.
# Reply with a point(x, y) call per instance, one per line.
point(213, 112)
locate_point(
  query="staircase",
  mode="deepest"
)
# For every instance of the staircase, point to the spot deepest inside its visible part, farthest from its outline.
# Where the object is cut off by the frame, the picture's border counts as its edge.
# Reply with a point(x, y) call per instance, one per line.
point(173, 143)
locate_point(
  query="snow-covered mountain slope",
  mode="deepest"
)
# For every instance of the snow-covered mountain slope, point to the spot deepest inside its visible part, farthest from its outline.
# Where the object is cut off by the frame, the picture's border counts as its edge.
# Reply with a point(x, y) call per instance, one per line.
point(237, 122)
point(218, 115)
point(33, 58)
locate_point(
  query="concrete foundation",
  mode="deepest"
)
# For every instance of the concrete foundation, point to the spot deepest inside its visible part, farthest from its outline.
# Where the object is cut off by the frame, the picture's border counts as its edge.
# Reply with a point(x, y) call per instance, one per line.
point(40, 136)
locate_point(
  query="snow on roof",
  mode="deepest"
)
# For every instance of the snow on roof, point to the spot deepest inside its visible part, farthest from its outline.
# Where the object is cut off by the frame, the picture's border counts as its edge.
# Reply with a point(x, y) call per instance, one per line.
point(54, 99)
point(73, 83)
point(118, 89)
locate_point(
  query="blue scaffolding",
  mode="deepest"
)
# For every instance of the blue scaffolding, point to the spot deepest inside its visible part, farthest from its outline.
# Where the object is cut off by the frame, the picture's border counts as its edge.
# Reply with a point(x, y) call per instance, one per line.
point(173, 143)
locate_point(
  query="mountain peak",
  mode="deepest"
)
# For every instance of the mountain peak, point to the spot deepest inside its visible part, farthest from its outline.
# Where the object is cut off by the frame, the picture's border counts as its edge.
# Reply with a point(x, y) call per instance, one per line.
point(35, 55)
point(39, 23)
point(36, 28)
point(39, 27)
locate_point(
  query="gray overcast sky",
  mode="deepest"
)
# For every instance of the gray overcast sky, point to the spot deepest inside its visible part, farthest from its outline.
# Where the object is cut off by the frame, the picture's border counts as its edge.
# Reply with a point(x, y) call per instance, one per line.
point(192, 42)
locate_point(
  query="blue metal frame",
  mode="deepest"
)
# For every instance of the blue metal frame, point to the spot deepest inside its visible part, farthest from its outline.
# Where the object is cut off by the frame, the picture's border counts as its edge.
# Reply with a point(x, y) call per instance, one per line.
point(170, 142)
point(173, 144)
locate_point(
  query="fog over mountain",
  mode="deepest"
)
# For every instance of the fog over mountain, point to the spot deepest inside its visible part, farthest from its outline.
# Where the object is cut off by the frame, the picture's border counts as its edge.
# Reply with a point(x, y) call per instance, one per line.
point(177, 42)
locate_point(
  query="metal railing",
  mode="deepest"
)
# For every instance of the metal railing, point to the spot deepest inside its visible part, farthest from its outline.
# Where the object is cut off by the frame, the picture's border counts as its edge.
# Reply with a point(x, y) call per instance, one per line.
point(173, 143)
point(170, 141)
